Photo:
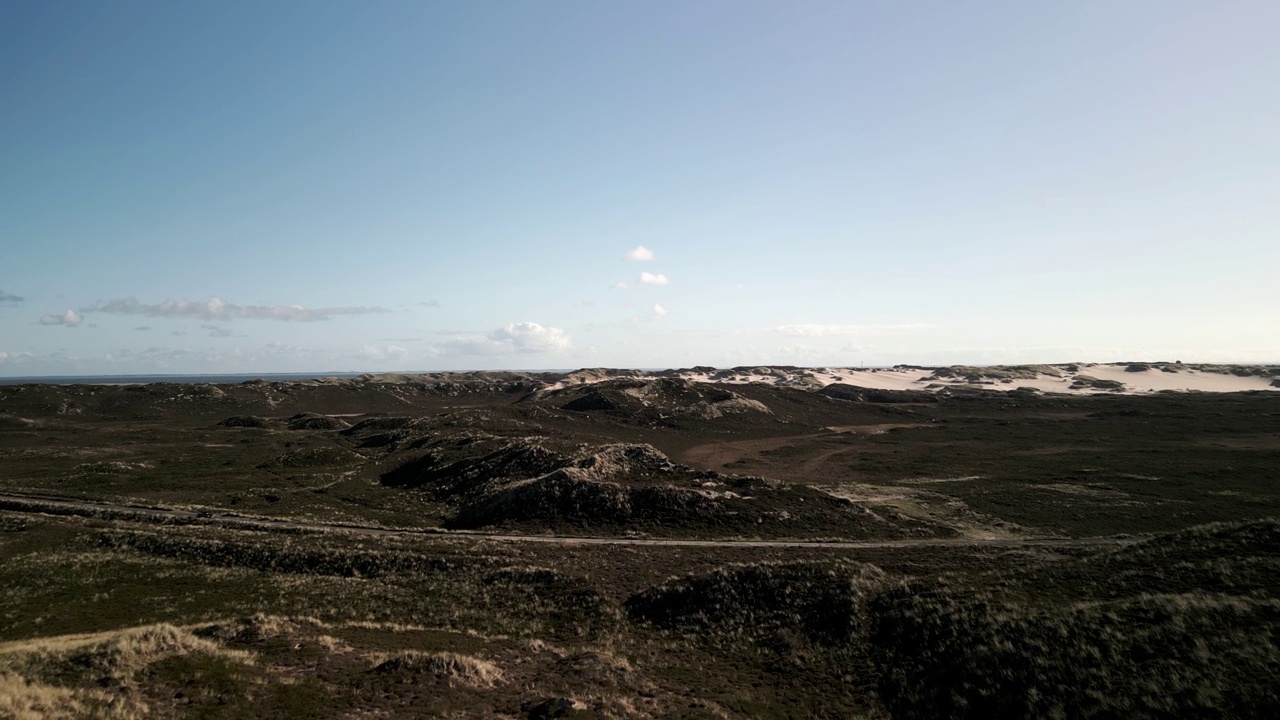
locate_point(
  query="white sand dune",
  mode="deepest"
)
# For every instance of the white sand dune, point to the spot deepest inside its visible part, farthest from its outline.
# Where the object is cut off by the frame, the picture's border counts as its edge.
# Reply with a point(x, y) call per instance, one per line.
point(1186, 380)
point(1073, 378)
point(1069, 378)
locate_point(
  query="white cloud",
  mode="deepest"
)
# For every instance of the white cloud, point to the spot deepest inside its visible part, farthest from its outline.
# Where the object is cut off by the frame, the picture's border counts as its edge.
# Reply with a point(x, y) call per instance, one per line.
point(855, 348)
point(641, 253)
point(659, 312)
point(799, 350)
point(651, 279)
point(531, 337)
point(620, 285)
point(70, 318)
point(814, 330)
point(383, 352)
point(523, 338)
point(219, 309)
point(817, 330)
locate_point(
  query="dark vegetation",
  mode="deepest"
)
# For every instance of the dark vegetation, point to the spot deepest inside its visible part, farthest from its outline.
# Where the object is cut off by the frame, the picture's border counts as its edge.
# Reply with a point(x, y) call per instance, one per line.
point(1180, 625)
point(1173, 613)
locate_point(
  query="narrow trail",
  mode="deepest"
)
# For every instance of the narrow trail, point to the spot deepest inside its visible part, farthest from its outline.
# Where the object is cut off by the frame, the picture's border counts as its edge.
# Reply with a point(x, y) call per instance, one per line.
point(67, 506)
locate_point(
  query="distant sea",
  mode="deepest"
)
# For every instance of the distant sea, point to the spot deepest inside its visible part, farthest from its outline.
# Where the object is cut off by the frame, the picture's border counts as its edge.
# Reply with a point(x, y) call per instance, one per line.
point(145, 379)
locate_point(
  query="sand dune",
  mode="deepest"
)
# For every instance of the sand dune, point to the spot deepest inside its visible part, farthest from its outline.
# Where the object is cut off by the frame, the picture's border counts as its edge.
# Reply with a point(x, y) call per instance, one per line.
point(1072, 378)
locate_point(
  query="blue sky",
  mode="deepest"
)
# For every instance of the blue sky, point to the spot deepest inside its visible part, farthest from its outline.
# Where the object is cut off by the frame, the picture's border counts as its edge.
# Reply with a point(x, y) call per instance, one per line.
point(307, 186)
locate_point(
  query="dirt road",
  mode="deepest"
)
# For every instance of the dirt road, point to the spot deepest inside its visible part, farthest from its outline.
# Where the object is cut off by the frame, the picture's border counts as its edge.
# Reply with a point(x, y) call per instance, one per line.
point(68, 506)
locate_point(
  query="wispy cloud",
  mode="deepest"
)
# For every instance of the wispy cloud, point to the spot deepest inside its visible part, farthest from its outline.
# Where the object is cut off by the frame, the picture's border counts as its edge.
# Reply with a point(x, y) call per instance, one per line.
point(659, 312)
point(652, 279)
point(10, 297)
point(219, 309)
point(620, 285)
point(143, 327)
point(639, 254)
point(430, 303)
point(70, 318)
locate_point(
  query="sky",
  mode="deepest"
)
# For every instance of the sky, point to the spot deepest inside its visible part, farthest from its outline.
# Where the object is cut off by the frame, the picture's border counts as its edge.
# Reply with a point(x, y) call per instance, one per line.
point(312, 186)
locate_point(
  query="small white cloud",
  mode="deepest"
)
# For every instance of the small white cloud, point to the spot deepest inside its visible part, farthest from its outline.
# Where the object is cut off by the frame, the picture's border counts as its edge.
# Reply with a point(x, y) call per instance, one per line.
point(382, 352)
point(620, 285)
point(640, 254)
point(531, 337)
point(798, 351)
point(817, 330)
point(659, 312)
point(523, 337)
point(651, 279)
point(70, 318)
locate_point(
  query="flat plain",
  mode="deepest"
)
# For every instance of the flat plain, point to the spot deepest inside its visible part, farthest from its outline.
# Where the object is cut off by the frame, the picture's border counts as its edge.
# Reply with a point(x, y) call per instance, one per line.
point(756, 542)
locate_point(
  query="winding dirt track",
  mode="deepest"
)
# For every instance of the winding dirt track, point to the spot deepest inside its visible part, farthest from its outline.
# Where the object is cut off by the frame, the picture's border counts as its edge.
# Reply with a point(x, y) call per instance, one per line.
point(71, 506)
point(68, 506)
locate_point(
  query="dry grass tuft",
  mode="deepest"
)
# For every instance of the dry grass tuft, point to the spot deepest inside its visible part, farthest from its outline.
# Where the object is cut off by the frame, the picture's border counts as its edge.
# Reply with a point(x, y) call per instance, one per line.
point(21, 699)
point(452, 667)
point(259, 627)
point(120, 650)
